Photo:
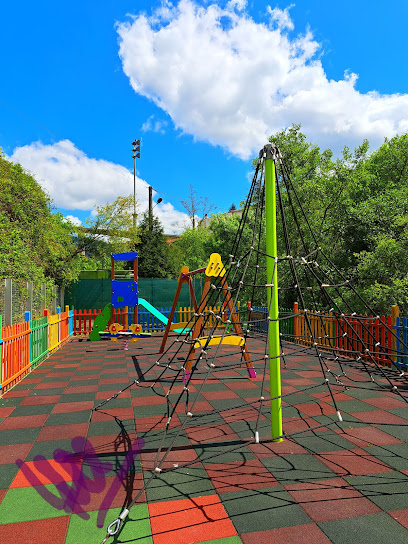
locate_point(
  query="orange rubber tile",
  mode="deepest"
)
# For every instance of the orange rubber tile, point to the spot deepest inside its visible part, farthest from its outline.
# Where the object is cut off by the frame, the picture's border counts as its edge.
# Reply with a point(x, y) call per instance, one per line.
point(190, 520)
point(44, 472)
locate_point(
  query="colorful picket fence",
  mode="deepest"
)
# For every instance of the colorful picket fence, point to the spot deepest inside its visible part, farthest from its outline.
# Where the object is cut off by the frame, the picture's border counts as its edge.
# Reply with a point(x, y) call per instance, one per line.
point(84, 319)
point(24, 345)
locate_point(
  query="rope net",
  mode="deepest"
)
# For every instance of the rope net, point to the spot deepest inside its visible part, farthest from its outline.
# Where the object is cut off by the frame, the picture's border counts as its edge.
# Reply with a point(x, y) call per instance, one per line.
point(348, 349)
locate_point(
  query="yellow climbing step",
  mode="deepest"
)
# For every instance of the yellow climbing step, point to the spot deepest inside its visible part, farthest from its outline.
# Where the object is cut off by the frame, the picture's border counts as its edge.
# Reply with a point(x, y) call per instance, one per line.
point(216, 340)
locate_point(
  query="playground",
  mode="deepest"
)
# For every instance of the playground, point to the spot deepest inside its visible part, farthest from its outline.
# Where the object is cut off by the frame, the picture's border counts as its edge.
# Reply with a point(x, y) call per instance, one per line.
point(327, 482)
point(239, 425)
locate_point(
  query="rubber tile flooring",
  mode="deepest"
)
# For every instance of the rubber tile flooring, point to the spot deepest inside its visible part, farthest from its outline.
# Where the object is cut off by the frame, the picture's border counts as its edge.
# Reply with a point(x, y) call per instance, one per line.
point(67, 471)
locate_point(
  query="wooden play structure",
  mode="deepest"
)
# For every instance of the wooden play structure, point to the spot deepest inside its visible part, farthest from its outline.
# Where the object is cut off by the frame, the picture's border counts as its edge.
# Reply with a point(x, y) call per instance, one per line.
point(214, 269)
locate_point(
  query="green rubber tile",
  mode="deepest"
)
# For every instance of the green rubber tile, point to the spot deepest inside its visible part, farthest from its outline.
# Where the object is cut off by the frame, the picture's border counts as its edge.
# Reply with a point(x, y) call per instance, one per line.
point(47, 448)
point(2, 419)
point(153, 410)
point(248, 393)
point(375, 528)
point(261, 510)
point(299, 398)
point(394, 455)
point(221, 453)
point(68, 418)
point(18, 436)
point(323, 441)
point(119, 402)
point(77, 397)
point(141, 391)
point(401, 412)
point(349, 406)
point(388, 490)
point(36, 409)
point(398, 431)
point(227, 404)
point(179, 484)
point(297, 468)
point(136, 527)
point(25, 504)
point(7, 474)
point(47, 392)
point(363, 393)
point(206, 419)
point(75, 383)
point(227, 540)
point(100, 428)
point(10, 401)
point(214, 387)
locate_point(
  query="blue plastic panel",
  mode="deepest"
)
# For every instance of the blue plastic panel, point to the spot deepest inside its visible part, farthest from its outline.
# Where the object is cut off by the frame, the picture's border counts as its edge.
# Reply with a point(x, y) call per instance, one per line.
point(125, 256)
point(124, 293)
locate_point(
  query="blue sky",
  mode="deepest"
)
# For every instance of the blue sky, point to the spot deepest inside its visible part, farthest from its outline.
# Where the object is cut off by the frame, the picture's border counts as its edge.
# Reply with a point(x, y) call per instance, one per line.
point(203, 83)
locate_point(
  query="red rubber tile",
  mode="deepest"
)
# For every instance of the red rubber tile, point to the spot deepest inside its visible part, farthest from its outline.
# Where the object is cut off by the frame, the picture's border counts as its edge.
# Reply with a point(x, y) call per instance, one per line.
point(325, 396)
point(147, 401)
point(306, 534)
point(9, 454)
point(365, 436)
point(229, 477)
point(401, 516)
point(35, 400)
point(61, 375)
point(353, 462)
point(245, 413)
point(242, 385)
point(378, 416)
point(56, 432)
point(68, 407)
point(299, 381)
point(32, 380)
point(204, 433)
point(42, 531)
point(23, 422)
point(296, 424)
point(386, 403)
point(155, 423)
point(111, 380)
point(328, 500)
point(6, 411)
point(316, 408)
point(189, 520)
point(103, 395)
point(85, 377)
point(14, 393)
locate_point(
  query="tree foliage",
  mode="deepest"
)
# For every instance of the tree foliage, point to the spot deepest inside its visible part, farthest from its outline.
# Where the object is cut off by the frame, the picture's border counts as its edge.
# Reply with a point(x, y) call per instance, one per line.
point(35, 244)
point(152, 248)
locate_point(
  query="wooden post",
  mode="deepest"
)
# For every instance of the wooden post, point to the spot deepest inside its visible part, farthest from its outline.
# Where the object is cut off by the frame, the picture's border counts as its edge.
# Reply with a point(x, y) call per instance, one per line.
point(181, 280)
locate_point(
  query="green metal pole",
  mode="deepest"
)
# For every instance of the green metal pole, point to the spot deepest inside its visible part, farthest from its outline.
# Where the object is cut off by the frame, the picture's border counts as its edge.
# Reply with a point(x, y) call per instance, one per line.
point(272, 293)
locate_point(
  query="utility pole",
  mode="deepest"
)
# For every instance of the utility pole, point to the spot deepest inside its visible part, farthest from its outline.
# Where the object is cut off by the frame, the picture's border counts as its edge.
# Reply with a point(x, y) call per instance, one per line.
point(150, 207)
point(136, 154)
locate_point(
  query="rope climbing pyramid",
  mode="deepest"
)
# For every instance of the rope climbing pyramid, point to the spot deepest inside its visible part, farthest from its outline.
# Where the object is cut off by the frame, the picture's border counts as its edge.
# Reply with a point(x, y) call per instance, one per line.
point(350, 351)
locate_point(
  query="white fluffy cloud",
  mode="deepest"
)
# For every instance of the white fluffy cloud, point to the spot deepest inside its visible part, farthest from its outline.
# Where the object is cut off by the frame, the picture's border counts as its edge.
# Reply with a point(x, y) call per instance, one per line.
point(78, 182)
point(232, 81)
point(154, 125)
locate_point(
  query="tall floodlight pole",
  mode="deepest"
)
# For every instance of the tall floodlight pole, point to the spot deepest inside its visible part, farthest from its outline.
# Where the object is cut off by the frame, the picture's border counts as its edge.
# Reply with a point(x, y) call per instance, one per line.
point(268, 153)
point(136, 154)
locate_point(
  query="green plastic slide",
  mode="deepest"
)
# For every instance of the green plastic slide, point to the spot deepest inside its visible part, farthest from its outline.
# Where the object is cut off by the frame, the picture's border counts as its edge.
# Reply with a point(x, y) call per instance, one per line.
point(101, 320)
point(156, 313)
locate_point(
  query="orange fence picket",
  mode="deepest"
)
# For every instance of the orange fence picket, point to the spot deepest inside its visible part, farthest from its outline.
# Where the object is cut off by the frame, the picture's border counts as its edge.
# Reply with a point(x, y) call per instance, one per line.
point(15, 354)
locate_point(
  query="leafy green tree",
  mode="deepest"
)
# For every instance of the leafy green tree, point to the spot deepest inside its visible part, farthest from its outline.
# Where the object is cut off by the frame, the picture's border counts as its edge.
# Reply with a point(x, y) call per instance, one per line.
point(153, 252)
point(36, 244)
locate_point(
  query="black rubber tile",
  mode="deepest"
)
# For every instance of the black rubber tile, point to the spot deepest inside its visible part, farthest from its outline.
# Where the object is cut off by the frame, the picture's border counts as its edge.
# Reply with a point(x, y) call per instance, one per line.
point(372, 529)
